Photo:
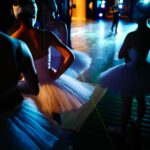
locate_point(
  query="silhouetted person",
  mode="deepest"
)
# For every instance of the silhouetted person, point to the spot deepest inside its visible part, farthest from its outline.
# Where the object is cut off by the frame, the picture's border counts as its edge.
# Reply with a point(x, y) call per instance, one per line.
point(115, 19)
point(132, 79)
point(59, 92)
point(50, 23)
point(22, 126)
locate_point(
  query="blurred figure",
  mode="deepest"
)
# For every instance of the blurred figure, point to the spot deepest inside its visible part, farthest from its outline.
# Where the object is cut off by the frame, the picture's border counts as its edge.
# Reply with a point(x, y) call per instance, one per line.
point(22, 126)
point(132, 79)
point(59, 93)
point(115, 11)
point(49, 21)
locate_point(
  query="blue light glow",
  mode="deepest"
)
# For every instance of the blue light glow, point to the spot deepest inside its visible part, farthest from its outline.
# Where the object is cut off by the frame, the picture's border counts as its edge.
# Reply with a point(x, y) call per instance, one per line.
point(100, 14)
point(120, 6)
point(103, 2)
point(121, 1)
point(148, 23)
point(103, 6)
point(146, 1)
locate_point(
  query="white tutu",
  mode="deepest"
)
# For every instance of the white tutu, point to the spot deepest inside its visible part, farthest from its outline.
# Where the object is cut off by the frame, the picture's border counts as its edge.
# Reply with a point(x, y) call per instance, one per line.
point(61, 95)
point(79, 66)
point(28, 129)
point(131, 79)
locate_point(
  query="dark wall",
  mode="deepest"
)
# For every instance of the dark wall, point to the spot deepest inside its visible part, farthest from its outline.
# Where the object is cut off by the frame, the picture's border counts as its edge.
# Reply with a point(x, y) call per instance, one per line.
point(128, 8)
point(91, 14)
point(132, 3)
point(63, 6)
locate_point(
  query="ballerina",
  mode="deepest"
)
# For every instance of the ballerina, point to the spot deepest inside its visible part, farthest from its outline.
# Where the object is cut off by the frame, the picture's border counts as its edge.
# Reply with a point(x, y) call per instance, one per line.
point(132, 78)
point(48, 21)
point(59, 92)
point(22, 126)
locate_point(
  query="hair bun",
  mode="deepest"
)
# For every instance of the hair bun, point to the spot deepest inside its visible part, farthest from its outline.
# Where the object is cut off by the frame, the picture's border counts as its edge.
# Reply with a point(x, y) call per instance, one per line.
point(142, 10)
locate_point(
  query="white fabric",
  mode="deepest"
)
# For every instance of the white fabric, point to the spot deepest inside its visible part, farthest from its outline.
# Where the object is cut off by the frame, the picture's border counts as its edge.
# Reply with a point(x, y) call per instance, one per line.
point(61, 95)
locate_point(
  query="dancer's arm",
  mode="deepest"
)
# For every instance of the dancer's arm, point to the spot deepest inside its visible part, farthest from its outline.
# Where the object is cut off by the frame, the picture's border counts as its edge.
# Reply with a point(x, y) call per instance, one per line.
point(30, 84)
point(66, 53)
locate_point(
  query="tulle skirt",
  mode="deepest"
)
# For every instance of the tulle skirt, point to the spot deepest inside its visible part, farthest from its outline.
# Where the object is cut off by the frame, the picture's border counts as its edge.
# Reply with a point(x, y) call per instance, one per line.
point(79, 66)
point(28, 129)
point(63, 95)
point(127, 79)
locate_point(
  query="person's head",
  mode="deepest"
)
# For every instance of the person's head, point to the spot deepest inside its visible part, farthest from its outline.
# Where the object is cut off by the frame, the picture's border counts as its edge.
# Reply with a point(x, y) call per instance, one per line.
point(25, 10)
point(5, 12)
point(141, 11)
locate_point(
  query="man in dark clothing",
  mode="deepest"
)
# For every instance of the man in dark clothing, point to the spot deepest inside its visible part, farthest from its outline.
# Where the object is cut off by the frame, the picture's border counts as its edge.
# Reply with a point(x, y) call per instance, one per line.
point(115, 11)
